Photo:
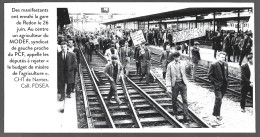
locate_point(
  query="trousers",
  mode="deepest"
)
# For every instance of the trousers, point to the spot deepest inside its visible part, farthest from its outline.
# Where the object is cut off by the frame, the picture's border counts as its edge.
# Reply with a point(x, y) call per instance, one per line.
point(219, 94)
point(245, 88)
point(180, 87)
point(113, 91)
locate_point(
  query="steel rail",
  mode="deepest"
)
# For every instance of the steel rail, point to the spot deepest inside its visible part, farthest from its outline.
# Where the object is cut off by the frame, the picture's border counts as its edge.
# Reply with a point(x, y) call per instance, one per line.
point(136, 119)
point(158, 107)
point(193, 115)
point(94, 74)
point(85, 101)
point(108, 117)
point(123, 84)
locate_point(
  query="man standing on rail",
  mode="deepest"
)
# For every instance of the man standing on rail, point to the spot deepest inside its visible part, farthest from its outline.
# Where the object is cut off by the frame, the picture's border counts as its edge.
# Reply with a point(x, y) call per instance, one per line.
point(247, 80)
point(218, 75)
point(145, 56)
point(165, 59)
point(176, 81)
point(67, 63)
point(113, 71)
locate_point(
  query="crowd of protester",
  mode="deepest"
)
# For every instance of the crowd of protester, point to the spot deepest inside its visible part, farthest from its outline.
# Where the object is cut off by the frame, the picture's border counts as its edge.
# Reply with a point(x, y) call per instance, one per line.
point(118, 48)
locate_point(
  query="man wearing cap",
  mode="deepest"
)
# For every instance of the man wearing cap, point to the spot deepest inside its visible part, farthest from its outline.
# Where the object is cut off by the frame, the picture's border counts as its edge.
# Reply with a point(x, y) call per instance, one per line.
point(111, 51)
point(165, 59)
point(176, 82)
point(245, 46)
point(67, 63)
point(247, 80)
point(218, 75)
point(195, 52)
point(113, 71)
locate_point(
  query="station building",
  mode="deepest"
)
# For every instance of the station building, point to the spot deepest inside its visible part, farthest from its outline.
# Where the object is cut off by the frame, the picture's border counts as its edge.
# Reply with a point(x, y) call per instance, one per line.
point(214, 19)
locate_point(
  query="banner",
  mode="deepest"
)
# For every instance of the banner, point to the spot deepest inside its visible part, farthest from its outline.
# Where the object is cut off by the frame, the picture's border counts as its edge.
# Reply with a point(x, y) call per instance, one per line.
point(137, 37)
point(119, 34)
point(188, 34)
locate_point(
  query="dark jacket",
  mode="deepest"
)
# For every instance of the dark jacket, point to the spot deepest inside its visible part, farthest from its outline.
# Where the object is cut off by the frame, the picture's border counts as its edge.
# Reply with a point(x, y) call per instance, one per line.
point(215, 75)
point(195, 55)
point(245, 74)
point(216, 43)
point(227, 45)
point(165, 60)
point(145, 57)
point(66, 68)
point(136, 54)
point(246, 44)
point(77, 53)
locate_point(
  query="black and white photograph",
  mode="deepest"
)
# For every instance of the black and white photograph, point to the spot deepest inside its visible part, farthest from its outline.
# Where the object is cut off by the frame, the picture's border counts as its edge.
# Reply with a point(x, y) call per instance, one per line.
point(128, 66)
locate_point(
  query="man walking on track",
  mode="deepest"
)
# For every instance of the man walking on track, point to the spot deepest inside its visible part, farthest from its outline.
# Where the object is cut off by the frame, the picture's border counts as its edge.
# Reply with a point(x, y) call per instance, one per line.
point(176, 82)
point(113, 71)
point(218, 75)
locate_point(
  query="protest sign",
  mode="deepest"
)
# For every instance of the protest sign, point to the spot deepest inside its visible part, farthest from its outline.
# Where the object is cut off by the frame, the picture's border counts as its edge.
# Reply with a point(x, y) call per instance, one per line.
point(188, 34)
point(137, 37)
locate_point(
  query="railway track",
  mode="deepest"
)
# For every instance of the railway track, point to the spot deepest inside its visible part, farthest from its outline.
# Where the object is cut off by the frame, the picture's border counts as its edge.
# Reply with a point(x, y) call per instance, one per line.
point(152, 104)
point(202, 80)
point(135, 111)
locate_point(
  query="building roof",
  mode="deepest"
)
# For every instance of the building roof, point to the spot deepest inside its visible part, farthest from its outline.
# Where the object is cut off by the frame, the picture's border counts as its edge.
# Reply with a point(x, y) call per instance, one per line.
point(178, 13)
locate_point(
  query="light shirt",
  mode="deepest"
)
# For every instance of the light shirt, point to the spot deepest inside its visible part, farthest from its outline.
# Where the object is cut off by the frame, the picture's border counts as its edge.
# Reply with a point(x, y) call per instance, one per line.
point(58, 48)
point(64, 54)
point(178, 71)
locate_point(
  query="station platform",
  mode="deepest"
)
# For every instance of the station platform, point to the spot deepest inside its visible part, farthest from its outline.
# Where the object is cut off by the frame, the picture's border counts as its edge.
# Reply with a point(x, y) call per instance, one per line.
point(207, 57)
point(67, 113)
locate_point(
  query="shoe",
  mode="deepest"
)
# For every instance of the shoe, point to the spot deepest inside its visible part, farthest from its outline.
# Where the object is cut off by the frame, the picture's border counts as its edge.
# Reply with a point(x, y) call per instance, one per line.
point(68, 96)
point(243, 110)
point(61, 99)
point(219, 118)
